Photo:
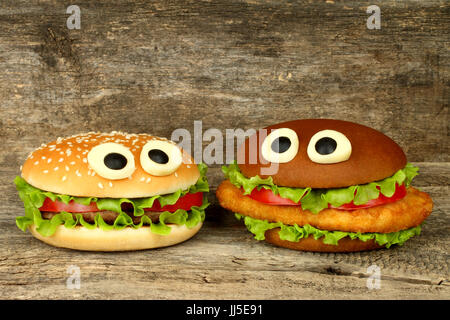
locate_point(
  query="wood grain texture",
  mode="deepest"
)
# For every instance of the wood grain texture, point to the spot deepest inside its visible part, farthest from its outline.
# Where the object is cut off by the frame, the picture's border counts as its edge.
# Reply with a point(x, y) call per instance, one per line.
point(141, 66)
point(223, 261)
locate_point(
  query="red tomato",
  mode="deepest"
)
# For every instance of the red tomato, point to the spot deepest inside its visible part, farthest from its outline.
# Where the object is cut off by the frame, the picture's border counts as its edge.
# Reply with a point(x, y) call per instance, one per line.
point(72, 206)
point(268, 197)
point(185, 202)
point(400, 192)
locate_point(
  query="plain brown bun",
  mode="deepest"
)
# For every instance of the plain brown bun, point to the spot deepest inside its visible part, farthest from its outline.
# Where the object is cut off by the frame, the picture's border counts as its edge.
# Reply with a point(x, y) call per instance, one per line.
point(310, 244)
point(61, 166)
point(127, 239)
point(374, 157)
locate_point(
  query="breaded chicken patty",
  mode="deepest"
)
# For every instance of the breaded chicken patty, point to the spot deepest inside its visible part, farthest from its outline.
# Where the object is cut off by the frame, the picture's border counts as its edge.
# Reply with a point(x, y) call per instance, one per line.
point(408, 212)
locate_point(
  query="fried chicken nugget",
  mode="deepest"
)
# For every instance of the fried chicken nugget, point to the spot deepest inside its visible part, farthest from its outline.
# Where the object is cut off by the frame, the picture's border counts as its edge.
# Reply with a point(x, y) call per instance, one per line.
point(406, 213)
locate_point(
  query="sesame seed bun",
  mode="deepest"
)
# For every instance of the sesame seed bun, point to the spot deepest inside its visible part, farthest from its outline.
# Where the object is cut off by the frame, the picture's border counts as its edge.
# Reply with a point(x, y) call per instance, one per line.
point(127, 239)
point(374, 156)
point(62, 166)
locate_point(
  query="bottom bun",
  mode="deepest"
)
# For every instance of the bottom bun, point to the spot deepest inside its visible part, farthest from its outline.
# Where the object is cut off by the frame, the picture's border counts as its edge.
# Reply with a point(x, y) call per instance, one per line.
point(310, 244)
point(127, 239)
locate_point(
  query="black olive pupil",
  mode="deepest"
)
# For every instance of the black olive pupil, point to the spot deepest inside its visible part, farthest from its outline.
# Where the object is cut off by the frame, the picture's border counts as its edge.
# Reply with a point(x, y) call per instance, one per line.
point(281, 144)
point(115, 161)
point(158, 156)
point(326, 145)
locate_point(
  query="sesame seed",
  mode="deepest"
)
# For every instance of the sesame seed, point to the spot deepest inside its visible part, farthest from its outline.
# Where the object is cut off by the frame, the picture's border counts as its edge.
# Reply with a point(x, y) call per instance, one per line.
point(78, 156)
point(21, 168)
point(188, 166)
point(68, 152)
point(78, 149)
point(49, 160)
point(43, 158)
point(78, 173)
point(142, 179)
point(61, 160)
point(100, 185)
point(176, 175)
point(84, 160)
point(110, 184)
point(36, 163)
point(56, 168)
point(148, 180)
point(61, 152)
point(64, 178)
point(72, 163)
point(45, 171)
point(67, 168)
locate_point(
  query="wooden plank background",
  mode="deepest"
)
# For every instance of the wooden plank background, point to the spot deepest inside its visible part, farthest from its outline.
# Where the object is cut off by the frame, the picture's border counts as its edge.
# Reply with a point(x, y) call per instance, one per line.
point(155, 66)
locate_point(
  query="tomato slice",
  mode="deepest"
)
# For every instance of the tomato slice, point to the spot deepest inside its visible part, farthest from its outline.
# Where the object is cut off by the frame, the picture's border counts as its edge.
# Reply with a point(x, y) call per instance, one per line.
point(400, 192)
point(72, 206)
point(185, 202)
point(268, 197)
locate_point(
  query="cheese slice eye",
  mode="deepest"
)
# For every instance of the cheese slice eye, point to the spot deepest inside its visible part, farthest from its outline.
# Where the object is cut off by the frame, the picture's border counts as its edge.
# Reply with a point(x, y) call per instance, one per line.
point(280, 146)
point(111, 161)
point(329, 146)
point(160, 158)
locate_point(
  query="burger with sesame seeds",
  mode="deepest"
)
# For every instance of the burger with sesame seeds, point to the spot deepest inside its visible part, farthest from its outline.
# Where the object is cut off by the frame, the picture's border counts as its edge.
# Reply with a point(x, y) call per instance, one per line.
point(112, 192)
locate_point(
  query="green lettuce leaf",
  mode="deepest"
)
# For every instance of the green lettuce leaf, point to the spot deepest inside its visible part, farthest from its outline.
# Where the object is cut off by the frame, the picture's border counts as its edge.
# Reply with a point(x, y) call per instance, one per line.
point(33, 198)
point(295, 233)
point(316, 200)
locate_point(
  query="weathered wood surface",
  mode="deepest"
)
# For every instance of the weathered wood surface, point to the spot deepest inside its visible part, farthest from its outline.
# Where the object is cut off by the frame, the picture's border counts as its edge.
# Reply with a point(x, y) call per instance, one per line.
point(141, 66)
point(223, 261)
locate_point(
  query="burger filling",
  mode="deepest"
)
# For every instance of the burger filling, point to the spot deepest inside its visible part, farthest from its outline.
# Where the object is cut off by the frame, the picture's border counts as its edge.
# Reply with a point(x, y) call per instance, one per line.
point(356, 197)
point(367, 196)
point(295, 233)
point(47, 210)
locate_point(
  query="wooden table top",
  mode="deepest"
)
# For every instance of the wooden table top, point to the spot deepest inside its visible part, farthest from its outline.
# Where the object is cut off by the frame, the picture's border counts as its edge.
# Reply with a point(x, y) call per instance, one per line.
point(140, 66)
point(223, 261)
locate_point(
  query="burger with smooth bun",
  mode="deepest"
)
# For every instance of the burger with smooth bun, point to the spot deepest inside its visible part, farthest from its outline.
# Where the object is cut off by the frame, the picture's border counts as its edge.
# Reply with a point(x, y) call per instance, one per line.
point(112, 192)
point(338, 187)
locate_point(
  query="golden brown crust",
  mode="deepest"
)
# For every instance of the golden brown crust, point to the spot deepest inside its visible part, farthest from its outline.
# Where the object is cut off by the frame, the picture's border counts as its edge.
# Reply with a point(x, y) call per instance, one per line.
point(61, 167)
point(310, 244)
point(127, 239)
point(374, 157)
point(403, 214)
